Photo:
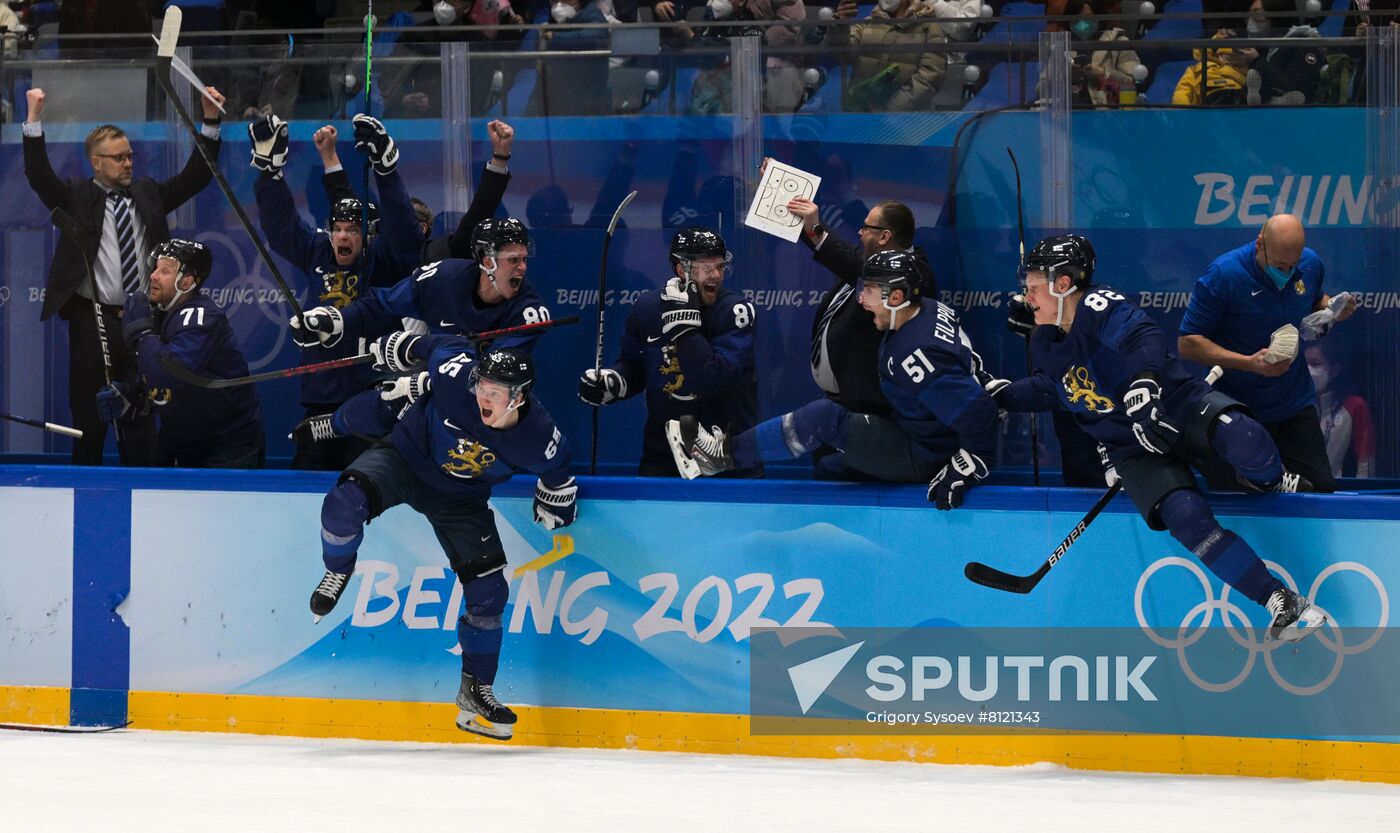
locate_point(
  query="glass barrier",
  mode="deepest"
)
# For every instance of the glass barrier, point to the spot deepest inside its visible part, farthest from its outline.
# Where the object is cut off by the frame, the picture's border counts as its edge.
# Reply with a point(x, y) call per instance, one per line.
point(918, 111)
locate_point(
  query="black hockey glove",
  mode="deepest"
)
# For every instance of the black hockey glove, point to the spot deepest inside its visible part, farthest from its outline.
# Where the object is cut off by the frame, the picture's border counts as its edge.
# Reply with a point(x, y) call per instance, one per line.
point(1151, 428)
point(680, 308)
point(374, 141)
point(601, 387)
point(1020, 319)
point(394, 352)
point(268, 137)
point(324, 327)
point(949, 486)
point(555, 506)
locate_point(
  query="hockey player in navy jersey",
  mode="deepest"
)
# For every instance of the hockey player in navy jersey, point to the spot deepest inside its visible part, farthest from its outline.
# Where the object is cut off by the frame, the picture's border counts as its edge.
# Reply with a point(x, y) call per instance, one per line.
point(450, 297)
point(199, 428)
point(689, 346)
point(944, 422)
point(1099, 357)
point(341, 263)
point(471, 423)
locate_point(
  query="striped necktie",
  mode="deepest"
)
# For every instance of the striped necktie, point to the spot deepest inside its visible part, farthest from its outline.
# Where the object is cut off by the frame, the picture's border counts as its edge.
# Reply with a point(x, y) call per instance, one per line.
point(126, 242)
point(819, 338)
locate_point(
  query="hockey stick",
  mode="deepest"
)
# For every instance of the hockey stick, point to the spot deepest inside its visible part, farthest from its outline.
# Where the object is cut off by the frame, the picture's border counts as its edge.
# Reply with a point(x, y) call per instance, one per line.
point(369, 111)
point(47, 426)
point(980, 573)
point(189, 377)
point(64, 730)
point(165, 53)
point(66, 224)
point(1020, 269)
point(602, 294)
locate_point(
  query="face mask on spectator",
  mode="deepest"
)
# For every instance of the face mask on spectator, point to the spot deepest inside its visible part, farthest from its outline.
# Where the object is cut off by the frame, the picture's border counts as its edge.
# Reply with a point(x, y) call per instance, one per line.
point(1257, 28)
point(444, 14)
point(562, 12)
point(721, 9)
point(890, 6)
point(1321, 378)
point(1084, 29)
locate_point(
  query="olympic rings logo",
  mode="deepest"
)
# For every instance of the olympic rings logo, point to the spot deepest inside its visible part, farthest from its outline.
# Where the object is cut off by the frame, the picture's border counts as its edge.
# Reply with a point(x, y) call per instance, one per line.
point(1245, 636)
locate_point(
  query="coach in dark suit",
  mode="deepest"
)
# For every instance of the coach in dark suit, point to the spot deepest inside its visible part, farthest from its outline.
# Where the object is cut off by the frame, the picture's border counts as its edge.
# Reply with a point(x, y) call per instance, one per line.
point(121, 218)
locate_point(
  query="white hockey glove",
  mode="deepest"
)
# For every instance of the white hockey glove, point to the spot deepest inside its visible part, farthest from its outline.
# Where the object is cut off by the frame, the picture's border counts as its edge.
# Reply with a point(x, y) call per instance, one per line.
point(1110, 472)
point(324, 327)
point(950, 485)
point(269, 139)
point(1151, 428)
point(601, 387)
point(556, 507)
point(1283, 345)
point(374, 141)
point(405, 388)
point(680, 308)
point(394, 352)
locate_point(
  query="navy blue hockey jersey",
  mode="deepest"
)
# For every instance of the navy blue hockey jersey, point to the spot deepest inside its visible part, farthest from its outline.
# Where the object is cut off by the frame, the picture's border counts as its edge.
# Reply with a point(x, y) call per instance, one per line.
point(443, 440)
point(196, 420)
point(443, 295)
point(392, 254)
point(926, 374)
point(707, 373)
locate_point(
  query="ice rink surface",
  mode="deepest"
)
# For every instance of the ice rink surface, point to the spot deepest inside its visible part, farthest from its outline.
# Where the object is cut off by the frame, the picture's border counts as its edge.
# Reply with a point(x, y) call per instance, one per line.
point(168, 781)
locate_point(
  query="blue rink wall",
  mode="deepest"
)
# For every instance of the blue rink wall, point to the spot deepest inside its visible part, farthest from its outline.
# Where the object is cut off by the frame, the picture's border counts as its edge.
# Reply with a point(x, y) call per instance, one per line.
point(179, 600)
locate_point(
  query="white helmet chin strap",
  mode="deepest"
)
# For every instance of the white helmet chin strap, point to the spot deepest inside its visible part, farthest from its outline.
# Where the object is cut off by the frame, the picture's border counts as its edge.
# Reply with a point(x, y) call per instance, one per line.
point(1060, 302)
point(179, 293)
point(885, 299)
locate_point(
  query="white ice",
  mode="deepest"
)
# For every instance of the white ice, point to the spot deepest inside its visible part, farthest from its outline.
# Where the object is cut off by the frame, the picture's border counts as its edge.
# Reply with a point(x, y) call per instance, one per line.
point(168, 781)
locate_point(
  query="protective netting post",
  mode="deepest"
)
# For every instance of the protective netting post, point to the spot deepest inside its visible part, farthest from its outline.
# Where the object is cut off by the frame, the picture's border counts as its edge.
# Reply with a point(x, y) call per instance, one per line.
point(1056, 149)
point(746, 64)
point(456, 127)
point(1382, 246)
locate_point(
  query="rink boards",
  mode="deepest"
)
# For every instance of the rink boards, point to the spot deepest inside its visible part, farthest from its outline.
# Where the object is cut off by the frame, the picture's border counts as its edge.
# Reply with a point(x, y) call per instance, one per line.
point(178, 600)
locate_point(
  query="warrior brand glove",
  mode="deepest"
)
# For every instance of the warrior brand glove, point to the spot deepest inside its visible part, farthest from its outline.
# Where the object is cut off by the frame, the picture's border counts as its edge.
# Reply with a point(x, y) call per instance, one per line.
point(114, 402)
point(1318, 324)
point(680, 309)
point(137, 319)
point(601, 387)
point(405, 387)
point(1020, 319)
point(373, 140)
point(949, 486)
point(394, 352)
point(269, 139)
point(1151, 428)
point(554, 506)
point(1110, 472)
point(324, 327)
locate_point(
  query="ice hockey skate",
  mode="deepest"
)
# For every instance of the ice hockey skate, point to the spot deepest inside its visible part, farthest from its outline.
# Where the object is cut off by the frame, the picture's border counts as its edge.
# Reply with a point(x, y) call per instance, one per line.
point(1289, 484)
point(327, 593)
point(315, 429)
point(1294, 616)
point(481, 713)
point(698, 451)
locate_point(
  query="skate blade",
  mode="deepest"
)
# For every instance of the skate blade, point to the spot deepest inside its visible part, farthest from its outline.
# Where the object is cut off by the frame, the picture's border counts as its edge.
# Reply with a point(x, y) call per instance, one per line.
point(315, 620)
point(688, 468)
point(478, 725)
point(1300, 630)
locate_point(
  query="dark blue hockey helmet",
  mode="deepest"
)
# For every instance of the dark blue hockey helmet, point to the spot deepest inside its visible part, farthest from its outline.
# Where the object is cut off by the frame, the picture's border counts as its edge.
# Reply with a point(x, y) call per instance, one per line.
point(506, 366)
point(699, 242)
point(894, 269)
point(195, 259)
point(494, 233)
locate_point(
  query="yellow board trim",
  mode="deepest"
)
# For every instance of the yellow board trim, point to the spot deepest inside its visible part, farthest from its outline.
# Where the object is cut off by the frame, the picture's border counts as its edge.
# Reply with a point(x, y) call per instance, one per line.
point(724, 734)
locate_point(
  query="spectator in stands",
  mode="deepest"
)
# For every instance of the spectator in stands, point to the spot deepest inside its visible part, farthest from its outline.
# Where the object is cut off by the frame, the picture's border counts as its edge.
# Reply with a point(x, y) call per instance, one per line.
point(9, 22)
point(416, 88)
point(1283, 75)
point(894, 71)
point(1346, 424)
point(1225, 75)
point(120, 217)
point(573, 86)
point(279, 86)
point(1099, 74)
point(782, 82)
point(1237, 306)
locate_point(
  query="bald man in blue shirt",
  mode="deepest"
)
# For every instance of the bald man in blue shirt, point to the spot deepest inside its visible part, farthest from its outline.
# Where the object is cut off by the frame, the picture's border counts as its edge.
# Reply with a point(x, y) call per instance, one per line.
point(1243, 297)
